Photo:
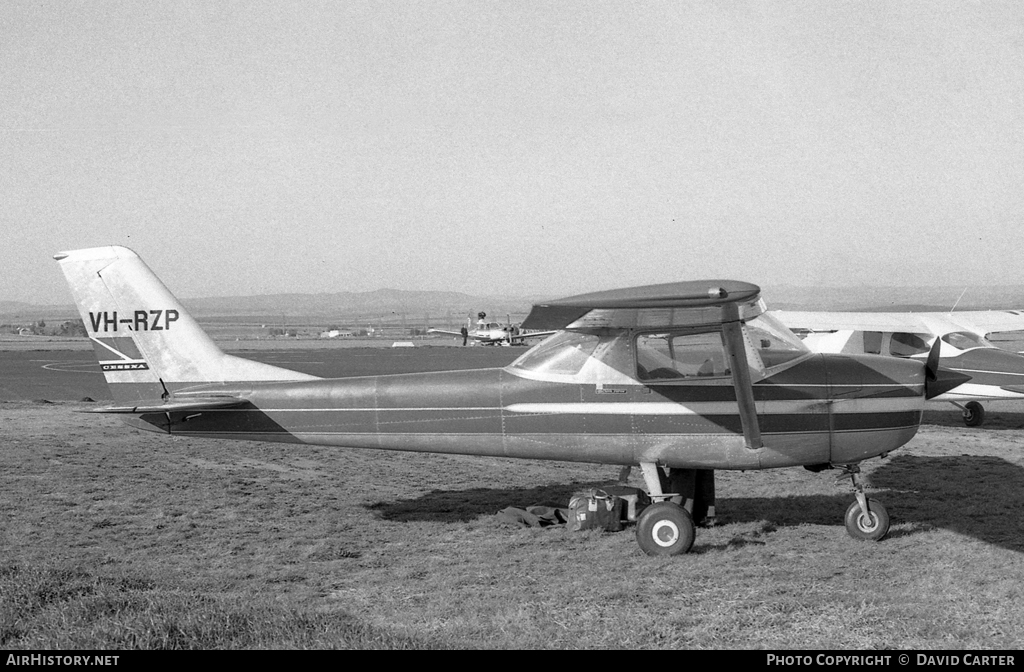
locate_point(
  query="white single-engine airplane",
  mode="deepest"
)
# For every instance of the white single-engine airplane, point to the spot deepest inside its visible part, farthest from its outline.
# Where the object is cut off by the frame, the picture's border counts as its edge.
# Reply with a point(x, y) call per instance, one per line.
point(686, 377)
point(494, 333)
point(995, 374)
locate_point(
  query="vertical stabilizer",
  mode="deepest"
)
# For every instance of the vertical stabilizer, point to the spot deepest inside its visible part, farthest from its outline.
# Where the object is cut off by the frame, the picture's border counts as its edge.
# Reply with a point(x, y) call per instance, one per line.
point(146, 342)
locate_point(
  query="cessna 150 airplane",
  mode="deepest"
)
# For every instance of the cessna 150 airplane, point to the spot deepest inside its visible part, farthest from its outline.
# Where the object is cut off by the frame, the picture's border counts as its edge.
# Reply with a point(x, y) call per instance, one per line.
point(493, 333)
point(689, 377)
point(995, 374)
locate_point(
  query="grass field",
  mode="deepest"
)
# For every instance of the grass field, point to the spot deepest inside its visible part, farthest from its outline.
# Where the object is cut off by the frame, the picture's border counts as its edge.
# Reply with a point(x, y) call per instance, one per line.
point(117, 539)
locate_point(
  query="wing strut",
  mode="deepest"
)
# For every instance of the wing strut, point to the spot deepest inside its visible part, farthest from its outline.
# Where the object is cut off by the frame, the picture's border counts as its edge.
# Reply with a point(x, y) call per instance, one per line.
point(732, 329)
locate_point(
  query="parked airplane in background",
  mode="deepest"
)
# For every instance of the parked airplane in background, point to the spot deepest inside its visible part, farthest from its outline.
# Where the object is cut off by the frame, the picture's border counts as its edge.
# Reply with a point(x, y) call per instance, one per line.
point(493, 333)
point(689, 377)
point(994, 373)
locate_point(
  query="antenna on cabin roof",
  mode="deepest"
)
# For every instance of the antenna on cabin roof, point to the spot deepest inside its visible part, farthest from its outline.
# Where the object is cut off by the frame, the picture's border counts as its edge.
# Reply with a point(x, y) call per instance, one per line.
point(958, 300)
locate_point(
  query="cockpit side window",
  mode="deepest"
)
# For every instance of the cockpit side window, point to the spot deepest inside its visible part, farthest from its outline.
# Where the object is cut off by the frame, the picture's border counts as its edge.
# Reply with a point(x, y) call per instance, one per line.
point(662, 356)
point(905, 344)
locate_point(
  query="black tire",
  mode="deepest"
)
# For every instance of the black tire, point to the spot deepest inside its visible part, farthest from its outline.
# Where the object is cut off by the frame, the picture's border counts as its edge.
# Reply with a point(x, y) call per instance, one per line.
point(974, 414)
point(665, 528)
point(862, 527)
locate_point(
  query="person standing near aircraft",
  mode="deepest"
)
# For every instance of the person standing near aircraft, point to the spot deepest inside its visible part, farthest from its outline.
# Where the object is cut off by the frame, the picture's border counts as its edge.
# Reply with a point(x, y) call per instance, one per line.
point(465, 335)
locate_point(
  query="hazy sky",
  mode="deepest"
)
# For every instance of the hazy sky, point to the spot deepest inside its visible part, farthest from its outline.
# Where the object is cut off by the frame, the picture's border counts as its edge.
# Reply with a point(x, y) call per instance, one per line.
point(545, 147)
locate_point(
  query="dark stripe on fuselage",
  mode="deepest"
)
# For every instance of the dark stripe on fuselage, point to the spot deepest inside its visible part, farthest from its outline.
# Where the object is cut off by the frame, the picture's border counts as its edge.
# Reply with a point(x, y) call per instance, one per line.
point(858, 422)
point(491, 422)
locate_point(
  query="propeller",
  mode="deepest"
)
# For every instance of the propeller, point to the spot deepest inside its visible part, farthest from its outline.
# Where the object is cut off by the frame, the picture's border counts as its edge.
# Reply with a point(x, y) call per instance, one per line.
point(938, 380)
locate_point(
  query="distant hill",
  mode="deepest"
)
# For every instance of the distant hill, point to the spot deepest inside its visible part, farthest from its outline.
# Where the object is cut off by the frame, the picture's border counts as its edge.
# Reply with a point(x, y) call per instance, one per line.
point(383, 304)
point(19, 312)
point(380, 301)
point(894, 299)
point(453, 307)
point(18, 306)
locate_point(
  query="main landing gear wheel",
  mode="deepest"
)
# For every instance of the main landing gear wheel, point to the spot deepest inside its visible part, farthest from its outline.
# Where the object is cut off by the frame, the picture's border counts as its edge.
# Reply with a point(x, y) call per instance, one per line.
point(974, 414)
point(869, 528)
point(665, 528)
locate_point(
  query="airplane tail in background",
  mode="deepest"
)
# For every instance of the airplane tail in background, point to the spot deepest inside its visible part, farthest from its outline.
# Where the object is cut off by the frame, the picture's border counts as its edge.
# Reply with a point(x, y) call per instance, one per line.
point(147, 344)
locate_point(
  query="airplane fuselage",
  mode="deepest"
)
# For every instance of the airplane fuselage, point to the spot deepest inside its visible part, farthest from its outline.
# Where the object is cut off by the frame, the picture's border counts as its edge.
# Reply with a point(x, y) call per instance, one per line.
point(995, 374)
point(805, 417)
point(693, 376)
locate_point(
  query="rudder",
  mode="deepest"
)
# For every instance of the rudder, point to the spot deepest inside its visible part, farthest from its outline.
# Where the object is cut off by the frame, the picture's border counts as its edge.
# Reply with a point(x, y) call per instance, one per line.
point(146, 342)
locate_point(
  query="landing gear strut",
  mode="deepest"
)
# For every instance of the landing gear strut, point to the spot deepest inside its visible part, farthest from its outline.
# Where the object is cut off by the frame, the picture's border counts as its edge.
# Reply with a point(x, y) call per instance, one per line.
point(865, 518)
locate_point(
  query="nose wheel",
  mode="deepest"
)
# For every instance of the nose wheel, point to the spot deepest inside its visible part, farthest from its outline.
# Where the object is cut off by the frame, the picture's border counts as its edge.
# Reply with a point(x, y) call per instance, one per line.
point(866, 519)
point(872, 526)
point(974, 414)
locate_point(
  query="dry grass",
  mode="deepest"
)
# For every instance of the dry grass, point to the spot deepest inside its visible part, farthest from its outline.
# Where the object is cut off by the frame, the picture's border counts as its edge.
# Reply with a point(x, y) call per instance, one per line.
point(116, 539)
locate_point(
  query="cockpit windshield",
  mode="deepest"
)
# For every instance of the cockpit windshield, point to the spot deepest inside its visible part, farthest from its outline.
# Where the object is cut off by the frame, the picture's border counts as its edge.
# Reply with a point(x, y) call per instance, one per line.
point(565, 353)
point(965, 340)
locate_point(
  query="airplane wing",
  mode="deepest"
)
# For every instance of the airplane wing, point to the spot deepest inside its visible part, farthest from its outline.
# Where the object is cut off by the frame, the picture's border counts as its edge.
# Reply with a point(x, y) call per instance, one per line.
point(834, 321)
point(990, 321)
point(665, 305)
point(175, 405)
point(515, 337)
point(981, 322)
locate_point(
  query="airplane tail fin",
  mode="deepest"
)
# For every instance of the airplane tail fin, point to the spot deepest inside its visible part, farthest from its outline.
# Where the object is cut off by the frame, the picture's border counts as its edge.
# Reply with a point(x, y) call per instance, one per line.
point(146, 342)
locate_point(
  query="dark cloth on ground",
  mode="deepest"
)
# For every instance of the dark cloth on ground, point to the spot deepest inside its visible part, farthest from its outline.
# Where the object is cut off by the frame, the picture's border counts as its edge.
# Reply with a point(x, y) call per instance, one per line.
point(533, 516)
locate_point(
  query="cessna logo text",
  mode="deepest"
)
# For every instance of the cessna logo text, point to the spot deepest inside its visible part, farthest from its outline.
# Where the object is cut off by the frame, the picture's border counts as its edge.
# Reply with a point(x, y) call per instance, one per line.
point(139, 320)
point(125, 366)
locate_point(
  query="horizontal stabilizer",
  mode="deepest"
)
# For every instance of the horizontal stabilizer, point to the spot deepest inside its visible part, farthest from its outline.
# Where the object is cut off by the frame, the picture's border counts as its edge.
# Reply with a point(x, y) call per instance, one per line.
point(175, 405)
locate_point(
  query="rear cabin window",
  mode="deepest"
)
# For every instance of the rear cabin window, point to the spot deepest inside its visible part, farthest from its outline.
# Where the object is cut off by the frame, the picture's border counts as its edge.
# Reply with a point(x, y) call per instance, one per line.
point(873, 342)
point(907, 345)
point(963, 340)
point(671, 356)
